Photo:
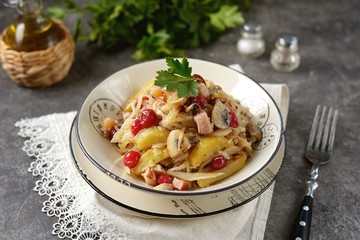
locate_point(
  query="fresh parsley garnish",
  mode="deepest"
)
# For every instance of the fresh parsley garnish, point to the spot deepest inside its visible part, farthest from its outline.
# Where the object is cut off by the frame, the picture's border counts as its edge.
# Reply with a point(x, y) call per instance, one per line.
point(157, 28)
point(178, 78)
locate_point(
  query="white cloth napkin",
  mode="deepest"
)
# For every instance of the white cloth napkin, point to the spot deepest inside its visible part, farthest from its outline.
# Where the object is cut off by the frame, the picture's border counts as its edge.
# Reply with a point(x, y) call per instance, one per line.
point(254, 228)
point(93, 217)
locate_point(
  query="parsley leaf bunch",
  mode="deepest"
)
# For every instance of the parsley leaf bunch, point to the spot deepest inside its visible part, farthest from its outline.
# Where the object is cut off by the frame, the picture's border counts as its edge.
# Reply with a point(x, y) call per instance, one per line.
point(178, 78)
point(157, 28)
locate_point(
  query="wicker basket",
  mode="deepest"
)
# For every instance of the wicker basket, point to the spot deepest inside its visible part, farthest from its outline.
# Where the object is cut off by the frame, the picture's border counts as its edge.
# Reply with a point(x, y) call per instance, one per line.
point(39, 68)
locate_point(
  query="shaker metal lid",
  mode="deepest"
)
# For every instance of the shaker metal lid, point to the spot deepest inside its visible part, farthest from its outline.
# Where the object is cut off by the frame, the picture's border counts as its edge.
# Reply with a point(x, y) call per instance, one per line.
point(288, 41)
point(252, 27)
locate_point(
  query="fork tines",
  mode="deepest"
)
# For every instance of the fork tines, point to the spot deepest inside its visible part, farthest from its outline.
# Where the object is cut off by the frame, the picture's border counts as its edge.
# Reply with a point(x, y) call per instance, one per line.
point(323, 128)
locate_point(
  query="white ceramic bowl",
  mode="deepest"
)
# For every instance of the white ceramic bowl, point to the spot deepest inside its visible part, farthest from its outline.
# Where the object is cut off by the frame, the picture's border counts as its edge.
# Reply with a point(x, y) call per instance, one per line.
point(110, 96)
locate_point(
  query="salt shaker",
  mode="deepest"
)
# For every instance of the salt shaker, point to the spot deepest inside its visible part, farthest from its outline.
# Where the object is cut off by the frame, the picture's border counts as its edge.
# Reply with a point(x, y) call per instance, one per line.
point(285, 57)
point(251, 43)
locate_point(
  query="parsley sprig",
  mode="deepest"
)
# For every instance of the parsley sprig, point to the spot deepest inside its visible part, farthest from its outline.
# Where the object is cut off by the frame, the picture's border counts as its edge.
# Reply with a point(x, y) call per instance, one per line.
point(178, 78)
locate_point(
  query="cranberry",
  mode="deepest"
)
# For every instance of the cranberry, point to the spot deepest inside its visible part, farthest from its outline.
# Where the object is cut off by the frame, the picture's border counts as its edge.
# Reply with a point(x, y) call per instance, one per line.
point(199, 78)
point(162, 178)
point(212, 101)
point(148, 118)
point(234, 122)
point(112, 132)
point(199, 99)
point(131, 158)
point(136, 126)
point(218, 162)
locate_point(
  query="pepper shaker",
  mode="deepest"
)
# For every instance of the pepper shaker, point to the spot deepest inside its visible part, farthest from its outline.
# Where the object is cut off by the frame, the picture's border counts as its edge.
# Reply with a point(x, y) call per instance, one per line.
point(285, 57)
point(251, 43)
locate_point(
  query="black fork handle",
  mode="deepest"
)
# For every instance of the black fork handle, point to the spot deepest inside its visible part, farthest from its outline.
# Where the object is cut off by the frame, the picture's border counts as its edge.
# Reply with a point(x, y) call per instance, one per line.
point(303, 223)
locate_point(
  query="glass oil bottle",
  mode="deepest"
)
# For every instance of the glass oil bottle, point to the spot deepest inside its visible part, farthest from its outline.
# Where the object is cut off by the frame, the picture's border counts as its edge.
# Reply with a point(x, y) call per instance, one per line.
point(32, 30)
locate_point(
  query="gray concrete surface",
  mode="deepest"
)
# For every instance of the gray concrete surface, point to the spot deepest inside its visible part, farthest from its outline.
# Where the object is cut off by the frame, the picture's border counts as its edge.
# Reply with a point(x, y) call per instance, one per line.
point(329, 74)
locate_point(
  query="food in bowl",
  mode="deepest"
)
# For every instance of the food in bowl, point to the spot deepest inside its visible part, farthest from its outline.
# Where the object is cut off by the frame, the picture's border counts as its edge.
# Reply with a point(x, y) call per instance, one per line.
point(182, 132)
point(97, 158)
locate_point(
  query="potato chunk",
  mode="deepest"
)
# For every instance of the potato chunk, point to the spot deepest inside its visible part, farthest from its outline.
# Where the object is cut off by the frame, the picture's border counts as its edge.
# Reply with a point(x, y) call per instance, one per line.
point(149, 136)
point(150, 158)
point(206, 148)
point(232, 167)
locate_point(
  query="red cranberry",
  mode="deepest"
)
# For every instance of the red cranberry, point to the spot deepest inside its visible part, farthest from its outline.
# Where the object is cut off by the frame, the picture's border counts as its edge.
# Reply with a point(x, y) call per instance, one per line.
point(212, 101)
point(148, 118)
point(199, 99)
point(218, 162)
point(199, 78)
point(162, 178)
point(131, 158)
point(234, 122)
point(136, 126)
point(112, 132)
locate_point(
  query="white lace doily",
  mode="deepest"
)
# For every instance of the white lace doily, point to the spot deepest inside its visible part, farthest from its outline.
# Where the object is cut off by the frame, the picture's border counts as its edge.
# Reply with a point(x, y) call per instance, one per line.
point(84, 214)
point(66, 191)
point(81, 212)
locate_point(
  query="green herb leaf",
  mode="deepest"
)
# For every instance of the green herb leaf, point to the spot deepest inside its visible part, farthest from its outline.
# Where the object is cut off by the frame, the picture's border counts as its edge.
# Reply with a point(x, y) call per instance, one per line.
point(69, 4)
point(77, 29)
point(227, 17)
point(176, 67)
point(177, 25)
point(178, 78)
point(56, 12)
point(156, 44)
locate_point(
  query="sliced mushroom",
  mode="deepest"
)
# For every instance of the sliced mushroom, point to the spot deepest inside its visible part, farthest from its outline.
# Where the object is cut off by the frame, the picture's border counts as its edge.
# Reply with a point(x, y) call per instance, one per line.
point(193, 140)
point(222, 132)
point(194, 109)
point(220, 115)
point(167, 163)
point(180, 158)
point(253, 132)
point(177, 143)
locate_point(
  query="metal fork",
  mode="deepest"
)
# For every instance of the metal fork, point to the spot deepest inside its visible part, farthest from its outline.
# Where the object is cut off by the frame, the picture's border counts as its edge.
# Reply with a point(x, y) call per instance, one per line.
point(318, 151)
